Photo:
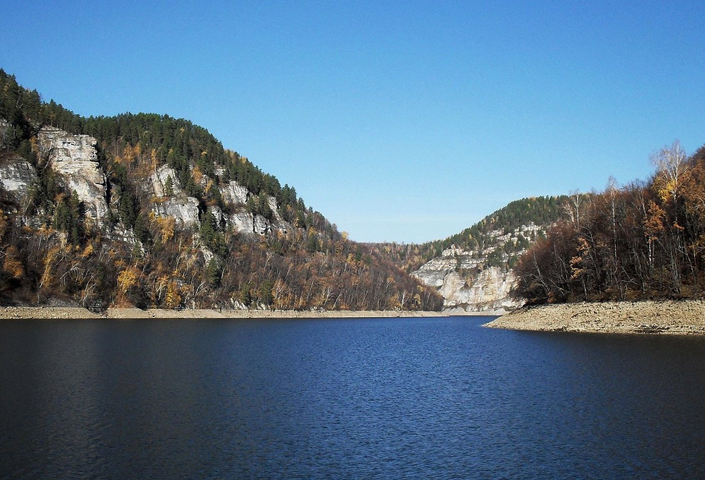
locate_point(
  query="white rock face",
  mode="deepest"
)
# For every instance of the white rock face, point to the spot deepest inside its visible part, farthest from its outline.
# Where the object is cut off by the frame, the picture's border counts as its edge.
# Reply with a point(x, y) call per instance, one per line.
point(158, 181)
point(183, 209)
point(247, 223)
point(16, 176)
point(262, 225)
point(242, 222)
point(217, 214)
point(486, 290)
point(234, 193)
point(74, 158)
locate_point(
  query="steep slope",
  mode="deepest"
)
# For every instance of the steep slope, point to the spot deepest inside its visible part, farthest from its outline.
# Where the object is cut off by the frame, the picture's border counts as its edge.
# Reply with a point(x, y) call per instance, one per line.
point(152, 211)
point(474, 270)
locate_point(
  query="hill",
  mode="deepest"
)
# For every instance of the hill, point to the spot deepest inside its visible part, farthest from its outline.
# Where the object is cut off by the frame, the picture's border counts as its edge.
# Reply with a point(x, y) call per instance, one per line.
point(474, 269)
point(641, 241)
point(151, 211)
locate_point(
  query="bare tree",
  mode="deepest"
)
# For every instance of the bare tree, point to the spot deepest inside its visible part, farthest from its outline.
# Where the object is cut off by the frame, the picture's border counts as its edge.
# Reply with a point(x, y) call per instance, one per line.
point(670, 162)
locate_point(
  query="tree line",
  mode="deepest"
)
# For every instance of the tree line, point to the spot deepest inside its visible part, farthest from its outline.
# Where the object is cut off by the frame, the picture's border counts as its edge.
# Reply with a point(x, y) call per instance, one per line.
point(47, 249)
point(644, 240)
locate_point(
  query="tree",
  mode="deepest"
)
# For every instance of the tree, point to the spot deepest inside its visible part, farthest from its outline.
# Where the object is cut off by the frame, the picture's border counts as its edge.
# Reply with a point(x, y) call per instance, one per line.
point(169, 187)
point(670, 162)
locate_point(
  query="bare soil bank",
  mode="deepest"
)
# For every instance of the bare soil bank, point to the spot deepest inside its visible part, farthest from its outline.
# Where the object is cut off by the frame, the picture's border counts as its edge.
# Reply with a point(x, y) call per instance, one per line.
point(49, 313)
point(685, 317)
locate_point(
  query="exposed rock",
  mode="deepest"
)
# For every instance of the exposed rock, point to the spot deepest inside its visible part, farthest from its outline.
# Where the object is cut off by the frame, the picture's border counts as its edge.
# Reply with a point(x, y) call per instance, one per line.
point(159, 179)
point(467, 284)
point(217, 215)
point(234, 193)
point(120, 233)
point(242, 222)
point(262, 225)
point(274, 208)
point(183, 209)
point(486, 290)
point(75, 159)
point(16, 176)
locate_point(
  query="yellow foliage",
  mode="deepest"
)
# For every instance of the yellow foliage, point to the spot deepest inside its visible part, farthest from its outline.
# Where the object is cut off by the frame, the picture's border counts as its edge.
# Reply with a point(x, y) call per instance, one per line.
point(154, 161)
point(48, 261)
point(666, 188)
point(88, 251)
point(127, 279)
point(197, 175)
point(166, 227)
point(12, 266)
point(173, 296)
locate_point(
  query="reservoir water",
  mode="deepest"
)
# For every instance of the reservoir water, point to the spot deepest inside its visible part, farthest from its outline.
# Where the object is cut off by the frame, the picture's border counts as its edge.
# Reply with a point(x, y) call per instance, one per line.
point(423, 398)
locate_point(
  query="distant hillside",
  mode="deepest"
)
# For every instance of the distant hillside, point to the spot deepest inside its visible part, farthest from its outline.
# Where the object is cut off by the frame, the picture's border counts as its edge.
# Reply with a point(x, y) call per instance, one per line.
point(473, 270)
point(152, 211)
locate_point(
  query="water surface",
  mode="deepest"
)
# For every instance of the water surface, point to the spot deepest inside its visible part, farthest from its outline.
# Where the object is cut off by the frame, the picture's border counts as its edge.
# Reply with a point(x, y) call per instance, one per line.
point(352, 398)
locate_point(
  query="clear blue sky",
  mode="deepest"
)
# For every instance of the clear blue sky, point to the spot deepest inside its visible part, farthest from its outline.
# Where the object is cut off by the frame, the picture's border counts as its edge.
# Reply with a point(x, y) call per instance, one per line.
point(399, 121)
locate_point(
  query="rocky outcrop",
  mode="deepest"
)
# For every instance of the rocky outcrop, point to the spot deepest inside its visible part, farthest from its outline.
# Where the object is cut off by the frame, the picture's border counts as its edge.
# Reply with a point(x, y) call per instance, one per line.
point(16, 177)
point(75, 159)
point(160, 179)
point(247, 223)
point(234, 193)
point(183, 209)
point(466, 286)
point(486, 291)
point(469, 281)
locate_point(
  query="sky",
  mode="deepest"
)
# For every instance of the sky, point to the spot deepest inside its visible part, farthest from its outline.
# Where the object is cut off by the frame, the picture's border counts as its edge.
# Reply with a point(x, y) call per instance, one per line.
point(403, 121)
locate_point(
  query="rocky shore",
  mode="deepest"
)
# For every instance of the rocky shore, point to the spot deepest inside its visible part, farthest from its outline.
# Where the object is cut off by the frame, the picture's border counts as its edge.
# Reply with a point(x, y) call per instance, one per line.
point(686, 317)
point(49, 313)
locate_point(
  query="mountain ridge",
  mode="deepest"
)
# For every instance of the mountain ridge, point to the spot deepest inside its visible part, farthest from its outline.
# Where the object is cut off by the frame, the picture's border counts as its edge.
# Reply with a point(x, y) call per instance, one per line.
point(167, 218)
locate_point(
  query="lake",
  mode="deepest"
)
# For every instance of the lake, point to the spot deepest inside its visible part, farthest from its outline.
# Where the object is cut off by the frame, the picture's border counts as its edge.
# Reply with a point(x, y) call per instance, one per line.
point(423, 398)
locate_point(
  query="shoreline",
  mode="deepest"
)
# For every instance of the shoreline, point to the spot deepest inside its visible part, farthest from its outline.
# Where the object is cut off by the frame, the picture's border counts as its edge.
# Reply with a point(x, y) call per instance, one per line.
point(57, 313)
point(668, 317)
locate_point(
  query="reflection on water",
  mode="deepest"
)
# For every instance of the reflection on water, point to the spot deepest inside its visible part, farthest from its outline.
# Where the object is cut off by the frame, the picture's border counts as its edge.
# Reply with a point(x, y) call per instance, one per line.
point(356, 398)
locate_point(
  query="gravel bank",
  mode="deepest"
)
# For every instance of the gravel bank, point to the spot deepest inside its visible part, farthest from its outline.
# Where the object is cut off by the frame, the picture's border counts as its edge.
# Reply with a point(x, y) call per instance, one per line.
point(49, 313)
point(685, 317)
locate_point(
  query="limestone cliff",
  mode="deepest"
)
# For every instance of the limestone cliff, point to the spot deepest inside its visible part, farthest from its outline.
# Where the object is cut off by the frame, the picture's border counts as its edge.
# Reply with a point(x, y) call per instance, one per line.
point(478, 280)
point(466, 285)
point(75, 159)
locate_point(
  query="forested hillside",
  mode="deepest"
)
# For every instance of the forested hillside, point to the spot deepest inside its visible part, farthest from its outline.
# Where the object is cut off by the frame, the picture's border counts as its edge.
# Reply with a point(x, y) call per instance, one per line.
point(169, 218)
point(473, 270)
point(487, 234)
point(645, 240)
